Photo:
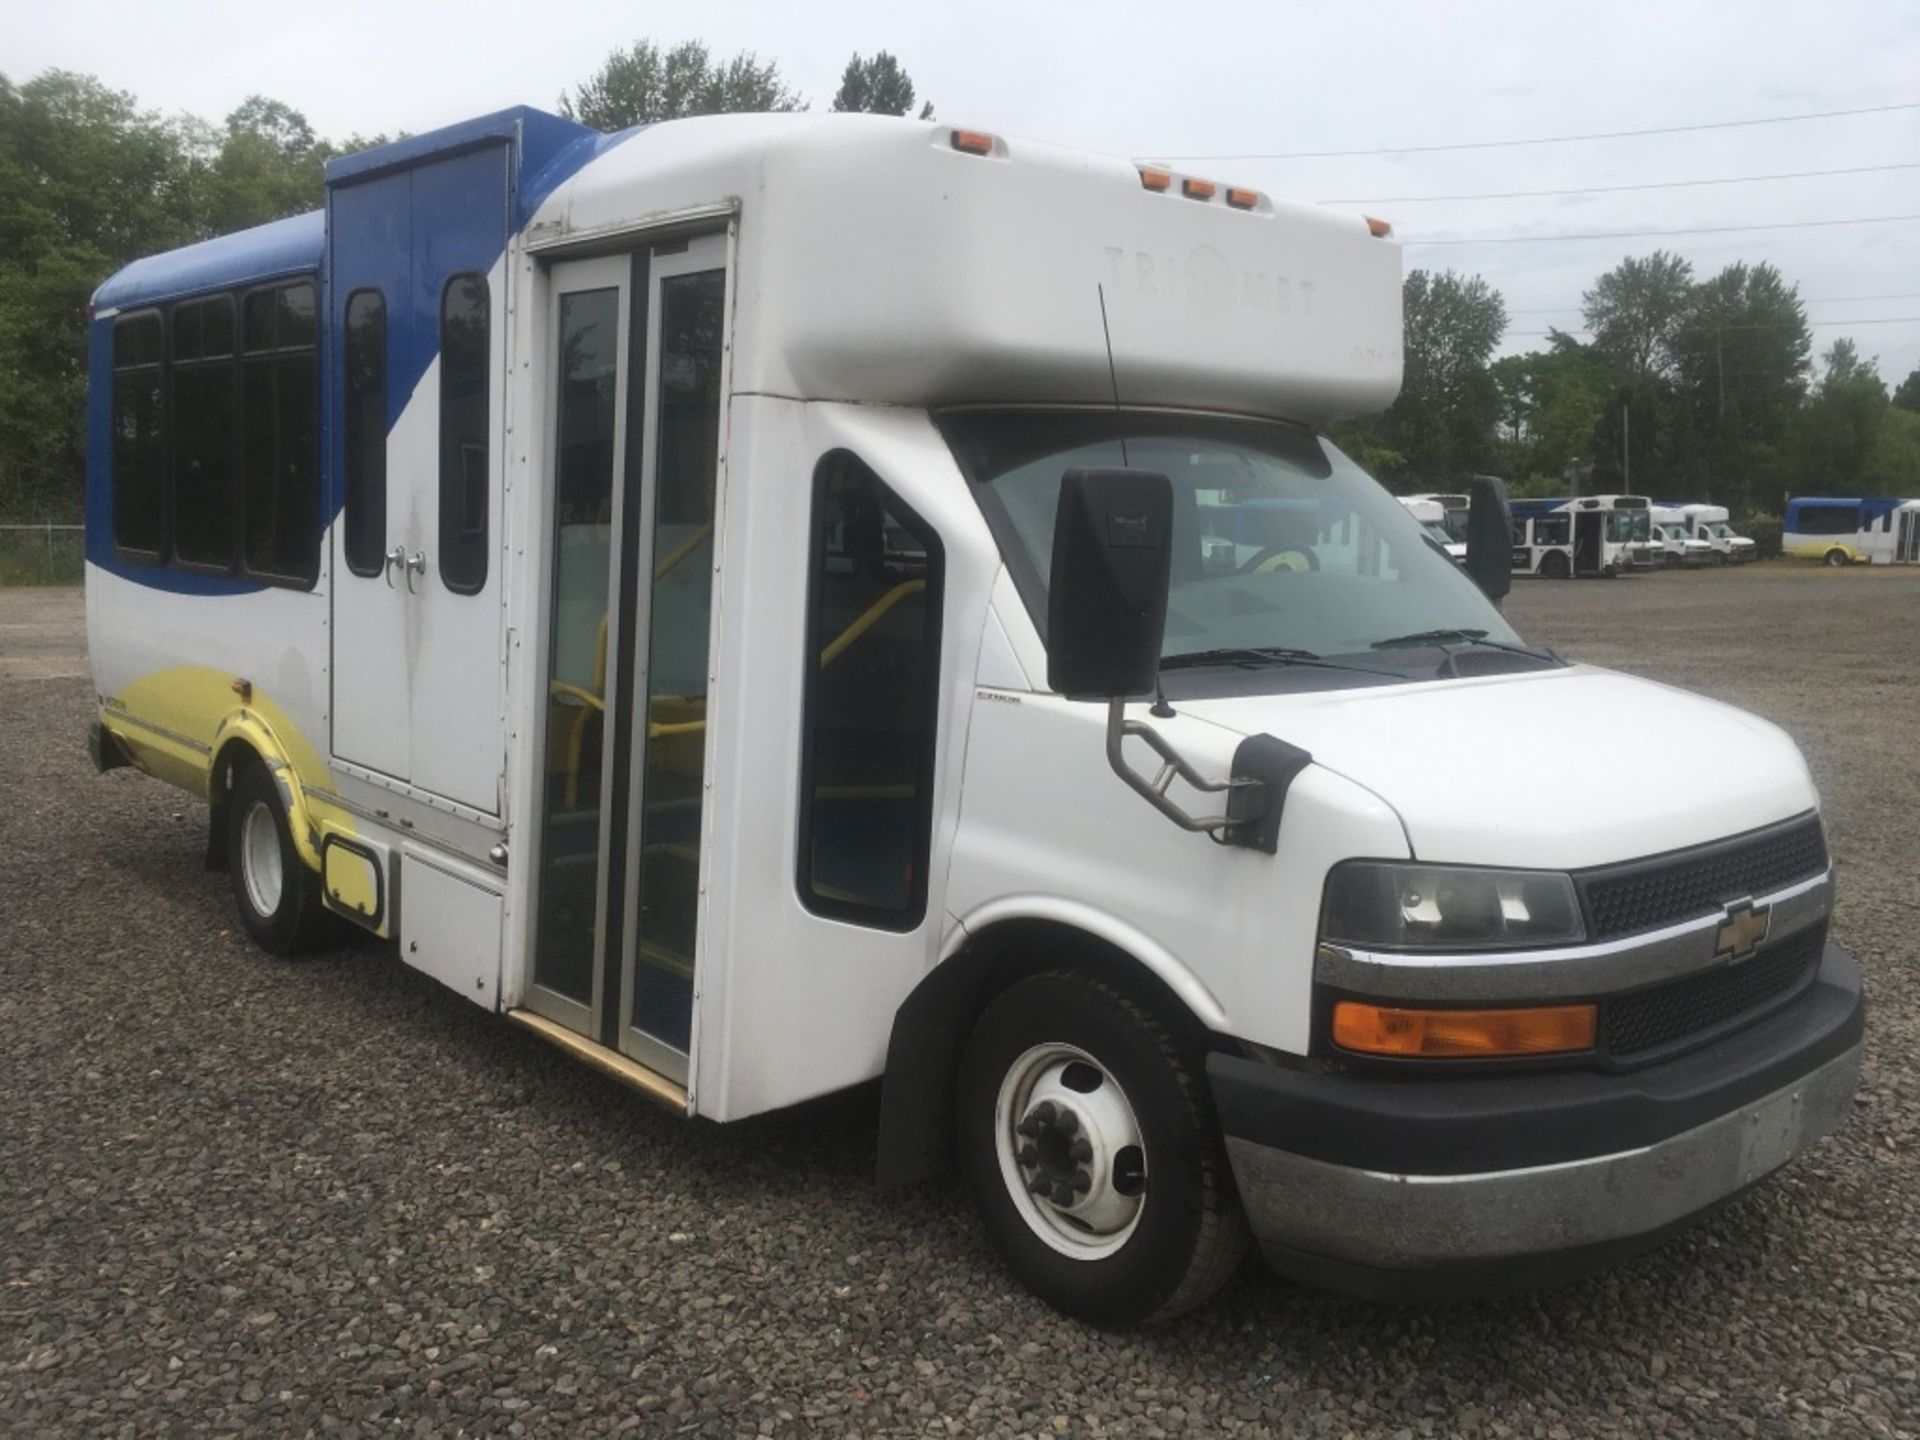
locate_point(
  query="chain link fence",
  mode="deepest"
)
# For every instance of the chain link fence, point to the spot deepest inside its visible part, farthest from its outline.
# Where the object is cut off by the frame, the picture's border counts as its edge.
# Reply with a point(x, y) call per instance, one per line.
point(42, 554)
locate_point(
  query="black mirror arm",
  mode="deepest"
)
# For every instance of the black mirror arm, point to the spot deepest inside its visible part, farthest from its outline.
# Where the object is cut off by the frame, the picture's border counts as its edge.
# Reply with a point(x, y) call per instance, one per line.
point(1154, 791)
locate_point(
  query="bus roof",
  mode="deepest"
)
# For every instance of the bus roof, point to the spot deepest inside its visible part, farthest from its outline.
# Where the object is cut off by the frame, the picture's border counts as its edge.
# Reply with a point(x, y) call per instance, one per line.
point(887, 265)
point(283, 247)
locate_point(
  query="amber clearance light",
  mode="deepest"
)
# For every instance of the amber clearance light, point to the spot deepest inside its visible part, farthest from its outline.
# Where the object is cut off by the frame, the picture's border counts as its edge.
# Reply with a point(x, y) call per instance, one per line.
point(1436, 1034)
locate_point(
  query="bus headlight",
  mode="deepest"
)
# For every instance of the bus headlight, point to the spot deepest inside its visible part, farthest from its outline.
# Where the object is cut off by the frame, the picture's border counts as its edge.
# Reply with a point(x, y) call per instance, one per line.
point(1395, 905)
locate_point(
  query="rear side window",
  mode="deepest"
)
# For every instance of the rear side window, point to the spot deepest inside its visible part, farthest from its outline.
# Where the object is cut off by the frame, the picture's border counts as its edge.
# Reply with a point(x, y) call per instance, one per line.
point(1829, 520)
point(139, 446)
point(465, 326)
point(365, 509)
point(205, 501)
point(280, 434)
point(872, 689)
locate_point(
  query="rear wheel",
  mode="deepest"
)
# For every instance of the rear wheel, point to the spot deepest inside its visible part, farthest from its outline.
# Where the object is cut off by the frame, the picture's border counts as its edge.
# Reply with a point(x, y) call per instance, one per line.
point(1093, 1155)
point(1554, 566)
point(1837, 558)
point(277, 895)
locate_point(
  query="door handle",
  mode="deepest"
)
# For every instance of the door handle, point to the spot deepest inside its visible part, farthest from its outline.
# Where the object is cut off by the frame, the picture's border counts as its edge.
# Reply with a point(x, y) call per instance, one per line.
point(416, 565)
point(396, 556)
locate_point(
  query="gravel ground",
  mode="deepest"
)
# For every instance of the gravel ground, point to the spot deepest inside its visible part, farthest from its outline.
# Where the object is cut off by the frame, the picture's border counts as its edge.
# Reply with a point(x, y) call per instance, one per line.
point(247, 1197)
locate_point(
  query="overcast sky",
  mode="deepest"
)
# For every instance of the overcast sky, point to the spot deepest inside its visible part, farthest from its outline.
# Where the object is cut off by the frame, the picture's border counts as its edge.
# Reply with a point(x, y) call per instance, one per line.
point(1189, 77)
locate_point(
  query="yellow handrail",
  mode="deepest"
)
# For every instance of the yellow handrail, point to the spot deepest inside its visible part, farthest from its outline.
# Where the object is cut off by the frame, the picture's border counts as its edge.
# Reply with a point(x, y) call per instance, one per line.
point(685, 548)
point(869, 619)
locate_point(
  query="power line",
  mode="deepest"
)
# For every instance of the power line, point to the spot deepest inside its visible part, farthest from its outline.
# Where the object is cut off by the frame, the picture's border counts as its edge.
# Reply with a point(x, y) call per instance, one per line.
point(1771, 325)
point(1656, 234)
point(1804, 300)
point(1557, 139)
point(1616, 189)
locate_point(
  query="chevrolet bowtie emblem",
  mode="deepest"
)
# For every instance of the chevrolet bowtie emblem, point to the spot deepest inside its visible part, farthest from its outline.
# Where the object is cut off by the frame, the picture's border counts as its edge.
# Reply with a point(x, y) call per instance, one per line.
point(1742, 930)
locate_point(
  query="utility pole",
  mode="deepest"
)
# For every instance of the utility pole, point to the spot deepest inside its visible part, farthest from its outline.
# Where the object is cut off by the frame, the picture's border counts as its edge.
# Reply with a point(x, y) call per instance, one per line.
point(1626, 448)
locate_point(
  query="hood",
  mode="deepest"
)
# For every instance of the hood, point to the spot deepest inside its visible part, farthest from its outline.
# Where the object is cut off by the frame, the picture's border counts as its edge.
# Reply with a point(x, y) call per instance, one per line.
point(1556, 769)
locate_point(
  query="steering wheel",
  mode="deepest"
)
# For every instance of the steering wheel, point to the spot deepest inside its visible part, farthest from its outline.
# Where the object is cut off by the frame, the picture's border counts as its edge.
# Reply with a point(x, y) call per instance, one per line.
point(1281, 557)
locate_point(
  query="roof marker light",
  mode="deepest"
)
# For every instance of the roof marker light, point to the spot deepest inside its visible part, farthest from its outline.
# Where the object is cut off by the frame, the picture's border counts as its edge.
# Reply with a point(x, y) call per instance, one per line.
point(1155, 179)
point(973, 142)
point(1241, 198)
point(1379, 229)
point(1198, 189)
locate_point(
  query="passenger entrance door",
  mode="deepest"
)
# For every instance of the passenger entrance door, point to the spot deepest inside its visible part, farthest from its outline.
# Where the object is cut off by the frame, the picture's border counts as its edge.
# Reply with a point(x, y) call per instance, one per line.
point(1588, 549)
point(636, 400)
point(1906, 544)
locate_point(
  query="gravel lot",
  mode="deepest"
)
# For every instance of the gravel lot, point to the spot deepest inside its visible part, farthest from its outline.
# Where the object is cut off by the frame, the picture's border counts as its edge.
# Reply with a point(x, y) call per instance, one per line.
point(247, 1197)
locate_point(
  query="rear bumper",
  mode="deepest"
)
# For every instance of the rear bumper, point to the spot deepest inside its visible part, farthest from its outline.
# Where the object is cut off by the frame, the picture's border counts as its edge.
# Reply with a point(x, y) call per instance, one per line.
point(1404, 1186)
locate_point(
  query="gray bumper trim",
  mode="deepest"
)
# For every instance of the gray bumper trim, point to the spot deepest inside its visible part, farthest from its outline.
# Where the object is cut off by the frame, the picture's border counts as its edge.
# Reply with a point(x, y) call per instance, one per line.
point(1413, 1222)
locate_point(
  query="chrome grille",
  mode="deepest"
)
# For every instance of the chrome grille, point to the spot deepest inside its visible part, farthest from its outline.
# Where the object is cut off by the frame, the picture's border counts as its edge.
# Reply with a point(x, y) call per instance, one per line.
point(1699, 1004)
point(1684, 885)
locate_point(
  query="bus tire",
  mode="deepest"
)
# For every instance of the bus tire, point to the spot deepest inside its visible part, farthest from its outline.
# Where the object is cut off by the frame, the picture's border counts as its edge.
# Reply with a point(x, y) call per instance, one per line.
point(277, 895)
point(1071, 1097)
point(1837, 558)
point(1554, 566)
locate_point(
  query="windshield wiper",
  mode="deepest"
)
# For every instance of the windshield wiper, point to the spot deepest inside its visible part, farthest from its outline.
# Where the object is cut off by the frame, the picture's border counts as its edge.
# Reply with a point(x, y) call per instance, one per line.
point(1443, 638)
point(1265, 655)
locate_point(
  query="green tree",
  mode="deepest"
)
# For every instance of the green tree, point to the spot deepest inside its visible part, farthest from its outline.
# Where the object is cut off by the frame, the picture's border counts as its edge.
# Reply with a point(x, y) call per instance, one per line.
point(88, 181)
point(1444, 424)
point(1907, 397)
point(1893, 465)
point(1635, 311)
point(1551, 404)
point(878, 86)
point(1839, 429)
point(644, 83)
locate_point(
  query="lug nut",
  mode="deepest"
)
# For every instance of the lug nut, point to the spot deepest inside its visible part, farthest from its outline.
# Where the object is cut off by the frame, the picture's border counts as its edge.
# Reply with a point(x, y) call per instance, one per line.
point(1068, 1122)
point(1044, 1112)
point(1029, 1156)
point(1082, 1150)
point(1082, 1181)
point(1040, 1185)
point(1063, 1194)
point(1029, 1127)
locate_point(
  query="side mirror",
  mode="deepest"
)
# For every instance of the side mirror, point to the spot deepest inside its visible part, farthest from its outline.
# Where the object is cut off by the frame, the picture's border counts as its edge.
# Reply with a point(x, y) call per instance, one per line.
point(1107, 596)
point(1490, 537)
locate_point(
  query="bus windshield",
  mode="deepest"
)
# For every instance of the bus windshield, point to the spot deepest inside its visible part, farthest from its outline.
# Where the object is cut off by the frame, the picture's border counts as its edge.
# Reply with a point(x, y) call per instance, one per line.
point(1626, 525)
point(1280, 541)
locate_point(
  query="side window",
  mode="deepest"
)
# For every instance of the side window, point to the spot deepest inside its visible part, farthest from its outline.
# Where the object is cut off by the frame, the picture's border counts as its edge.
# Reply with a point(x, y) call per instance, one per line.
point(1551, 530)
point(280, 434)
point(205, 512)
point(872, 695)
point(465, 327)
point(139, 449)
point(365, 509)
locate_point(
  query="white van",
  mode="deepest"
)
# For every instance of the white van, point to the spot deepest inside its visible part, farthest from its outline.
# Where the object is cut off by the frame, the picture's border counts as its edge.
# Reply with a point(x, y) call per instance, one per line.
point(1712, 523)
point(772, 603)
point(1434, 517)
point(1672, 536)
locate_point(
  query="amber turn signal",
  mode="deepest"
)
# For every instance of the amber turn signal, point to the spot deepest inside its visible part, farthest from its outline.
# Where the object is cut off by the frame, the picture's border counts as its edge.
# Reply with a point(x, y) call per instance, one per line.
point(1198, 189)
point(1242, 199)
point(1379, 229)
point(1435, 1034)
point(1155, 179)
point(973, 142)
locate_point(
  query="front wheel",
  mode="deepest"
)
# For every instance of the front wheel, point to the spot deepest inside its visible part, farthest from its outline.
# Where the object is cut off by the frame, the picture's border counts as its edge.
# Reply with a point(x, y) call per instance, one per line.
point(1091, 1149)
point(1554, 566)
point(277, 895)
point(1838, 559)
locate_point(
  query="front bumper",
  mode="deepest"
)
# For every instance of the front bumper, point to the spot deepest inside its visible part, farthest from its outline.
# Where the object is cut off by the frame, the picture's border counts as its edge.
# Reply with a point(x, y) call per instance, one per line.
point(1409, 1185)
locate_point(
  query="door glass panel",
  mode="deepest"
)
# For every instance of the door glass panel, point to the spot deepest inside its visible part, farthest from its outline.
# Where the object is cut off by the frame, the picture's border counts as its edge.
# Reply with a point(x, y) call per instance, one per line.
point(687, 436)
point(574, 791)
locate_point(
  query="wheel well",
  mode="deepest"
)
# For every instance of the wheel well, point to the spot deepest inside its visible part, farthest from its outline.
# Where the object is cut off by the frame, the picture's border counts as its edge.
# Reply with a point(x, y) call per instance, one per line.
point(930, 1029)
point(234, 756)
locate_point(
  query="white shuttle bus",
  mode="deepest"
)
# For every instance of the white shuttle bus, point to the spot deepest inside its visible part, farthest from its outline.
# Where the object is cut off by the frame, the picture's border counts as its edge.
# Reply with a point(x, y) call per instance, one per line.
point(720, 597)
point(1713, 524)
point(1434, 518)
point(1672, 537)
point(1588, 535)
point(1874, 531)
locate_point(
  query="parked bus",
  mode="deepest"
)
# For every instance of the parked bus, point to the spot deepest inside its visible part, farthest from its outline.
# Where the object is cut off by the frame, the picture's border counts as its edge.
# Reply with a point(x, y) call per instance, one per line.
point(693, 592)
point(1564, 539)
point(1852, 531)
point(1674, 540)
point(1433, 518)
